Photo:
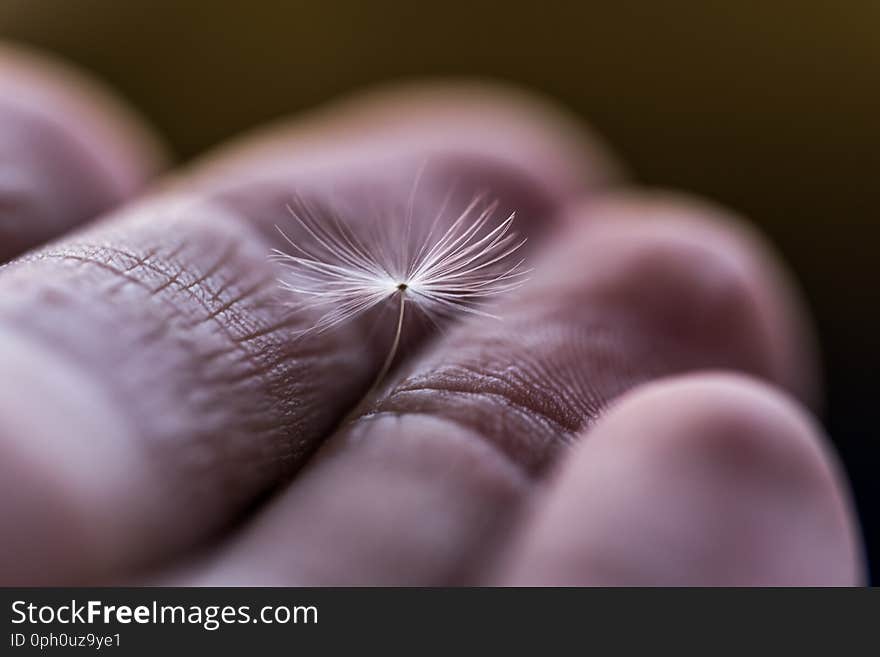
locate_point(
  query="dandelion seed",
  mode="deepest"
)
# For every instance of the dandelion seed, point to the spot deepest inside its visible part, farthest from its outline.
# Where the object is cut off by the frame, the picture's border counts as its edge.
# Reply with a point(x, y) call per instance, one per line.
point(441, 272)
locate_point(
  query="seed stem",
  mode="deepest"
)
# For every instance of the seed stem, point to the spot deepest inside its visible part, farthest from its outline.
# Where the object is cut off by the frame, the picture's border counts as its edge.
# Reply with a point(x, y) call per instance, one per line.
point(394, 345)
point(386, 366)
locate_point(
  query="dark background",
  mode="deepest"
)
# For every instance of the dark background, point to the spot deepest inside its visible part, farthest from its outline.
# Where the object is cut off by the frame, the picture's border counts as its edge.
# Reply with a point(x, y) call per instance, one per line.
point(772, 108)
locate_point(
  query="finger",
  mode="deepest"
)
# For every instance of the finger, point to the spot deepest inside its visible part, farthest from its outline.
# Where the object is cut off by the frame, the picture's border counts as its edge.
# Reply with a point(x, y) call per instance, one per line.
point(425, 486)
point(702, 480)
point(168, 314)
point(68, 150)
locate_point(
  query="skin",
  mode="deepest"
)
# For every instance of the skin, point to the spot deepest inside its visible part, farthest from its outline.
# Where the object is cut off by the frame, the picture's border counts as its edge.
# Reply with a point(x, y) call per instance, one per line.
point(642, 414)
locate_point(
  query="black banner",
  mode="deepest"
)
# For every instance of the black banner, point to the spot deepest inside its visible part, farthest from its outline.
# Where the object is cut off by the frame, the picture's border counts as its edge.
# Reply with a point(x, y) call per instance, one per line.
point(144, 621)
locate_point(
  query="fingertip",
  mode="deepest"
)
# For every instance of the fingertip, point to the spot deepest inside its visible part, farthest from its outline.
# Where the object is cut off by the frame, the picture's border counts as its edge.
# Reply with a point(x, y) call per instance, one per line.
point(717, 259)
point(701, 480)
point(116, 137)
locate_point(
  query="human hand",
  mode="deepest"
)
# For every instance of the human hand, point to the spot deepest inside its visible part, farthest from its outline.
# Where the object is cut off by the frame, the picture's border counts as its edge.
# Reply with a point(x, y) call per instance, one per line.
point(639, 416)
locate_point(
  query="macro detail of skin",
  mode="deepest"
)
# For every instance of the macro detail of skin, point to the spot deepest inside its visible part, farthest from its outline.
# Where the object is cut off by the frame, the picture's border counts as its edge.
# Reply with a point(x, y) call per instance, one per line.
point(181, 324)
point(184, 335)
point(567, 347)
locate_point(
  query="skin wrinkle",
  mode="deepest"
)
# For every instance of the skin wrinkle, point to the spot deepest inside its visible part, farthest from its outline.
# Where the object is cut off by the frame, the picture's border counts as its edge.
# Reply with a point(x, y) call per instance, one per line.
point(531, 385)
point(476, 410)
point(467, 380)
point(129, 275)
point(538, 406)
point(479, 392)
point(529, 423)
point(246, 353)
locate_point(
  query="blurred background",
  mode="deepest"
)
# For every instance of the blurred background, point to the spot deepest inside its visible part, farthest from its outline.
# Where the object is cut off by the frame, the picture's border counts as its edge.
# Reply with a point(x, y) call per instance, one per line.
point(771, 108)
